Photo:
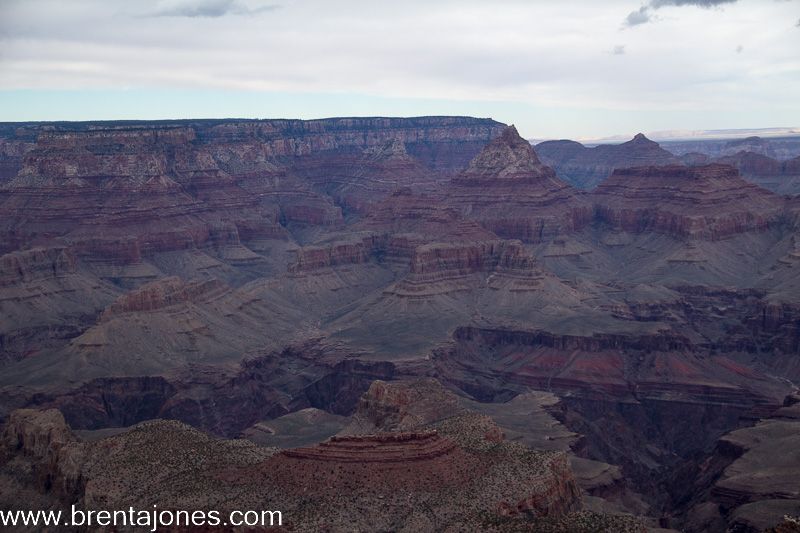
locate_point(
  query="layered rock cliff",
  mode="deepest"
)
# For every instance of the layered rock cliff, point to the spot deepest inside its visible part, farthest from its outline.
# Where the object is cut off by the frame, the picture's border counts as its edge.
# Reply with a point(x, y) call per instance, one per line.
point(511, 193)
point(117, 192)
point(749, 483)
point(707, 202)
point(439, 268)
point(782, 177)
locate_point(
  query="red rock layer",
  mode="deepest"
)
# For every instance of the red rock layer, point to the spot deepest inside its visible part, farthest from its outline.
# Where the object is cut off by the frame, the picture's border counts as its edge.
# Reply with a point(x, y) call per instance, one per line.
point(115, 195)
point(381, 448)
point(438, 259)
point(605, 366)
point(163, 293)
point(707, 202)
point(509, 192)
point(415, 461)
point(439, 268)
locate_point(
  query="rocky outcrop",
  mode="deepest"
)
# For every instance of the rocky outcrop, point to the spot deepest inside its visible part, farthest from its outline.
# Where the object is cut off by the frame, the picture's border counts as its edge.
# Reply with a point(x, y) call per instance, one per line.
point(43, 441)
point(310, 258)
point(585, 167)
point(45, 300)
point(441, 268)
point(111, 472)
point(792, 166)
point(411, 219)
point(403, 406)
point(782, 177)
point(182, 468)
point(752, 164)
point(13, 148)
point(756, 475)
point(510, 158)
point(163, 293)
point(35, 264)
point(453, 463)
point(707, 202)
point(694, 159)
point(511, 193)
point(752, 474)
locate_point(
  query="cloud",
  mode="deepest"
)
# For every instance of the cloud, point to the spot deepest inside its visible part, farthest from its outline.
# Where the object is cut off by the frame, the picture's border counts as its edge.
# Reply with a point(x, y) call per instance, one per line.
point(640, 16)
point(739, 49)
point(450, 51)
point(209, 9)
point(798, 23)
point(656, 4)
point(618, 50)
point(645, 13)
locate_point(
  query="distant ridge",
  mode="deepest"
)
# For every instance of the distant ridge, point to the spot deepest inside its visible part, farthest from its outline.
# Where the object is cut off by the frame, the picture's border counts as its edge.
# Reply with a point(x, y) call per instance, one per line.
point(684, 135)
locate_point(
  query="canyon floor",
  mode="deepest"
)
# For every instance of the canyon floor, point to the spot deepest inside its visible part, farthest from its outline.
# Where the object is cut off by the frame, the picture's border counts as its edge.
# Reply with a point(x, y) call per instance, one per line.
point(424, 324)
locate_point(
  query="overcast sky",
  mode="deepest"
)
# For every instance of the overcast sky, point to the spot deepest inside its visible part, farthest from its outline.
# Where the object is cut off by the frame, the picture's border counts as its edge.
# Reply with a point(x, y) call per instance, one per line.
point(568, 68)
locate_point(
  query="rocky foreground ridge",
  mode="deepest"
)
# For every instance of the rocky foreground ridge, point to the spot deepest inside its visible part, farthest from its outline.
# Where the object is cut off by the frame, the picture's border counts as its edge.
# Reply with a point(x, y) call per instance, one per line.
point(448, 473)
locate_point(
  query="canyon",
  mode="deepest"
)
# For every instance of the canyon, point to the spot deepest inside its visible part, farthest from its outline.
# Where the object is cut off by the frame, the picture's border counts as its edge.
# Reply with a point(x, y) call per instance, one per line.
point(423, 313)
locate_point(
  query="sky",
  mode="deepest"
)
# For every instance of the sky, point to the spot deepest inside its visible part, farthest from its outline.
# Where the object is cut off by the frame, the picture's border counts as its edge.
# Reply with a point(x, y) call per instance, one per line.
point(577, 69)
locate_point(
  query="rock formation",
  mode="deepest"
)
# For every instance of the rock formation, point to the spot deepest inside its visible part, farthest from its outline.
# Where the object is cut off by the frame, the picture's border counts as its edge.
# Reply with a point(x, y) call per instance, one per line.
point(451, 473)
point(585, 167)
point(511, 193)
point(753, 474)
point(707, 202)
point(782, 177)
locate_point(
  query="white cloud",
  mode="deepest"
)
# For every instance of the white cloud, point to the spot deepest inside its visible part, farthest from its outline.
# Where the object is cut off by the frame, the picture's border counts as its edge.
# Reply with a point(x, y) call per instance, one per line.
point(208, 8)
point(528, 52)
point(645, 13)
